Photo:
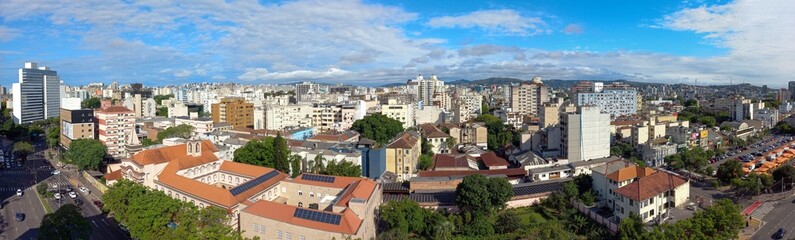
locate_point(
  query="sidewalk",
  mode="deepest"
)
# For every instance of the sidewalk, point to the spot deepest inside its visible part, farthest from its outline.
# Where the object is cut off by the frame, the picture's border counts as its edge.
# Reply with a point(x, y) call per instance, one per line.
point(753, 226)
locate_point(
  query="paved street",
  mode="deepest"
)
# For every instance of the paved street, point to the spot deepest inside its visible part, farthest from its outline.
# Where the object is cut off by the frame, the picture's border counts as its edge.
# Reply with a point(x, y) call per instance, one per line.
point(782, 215)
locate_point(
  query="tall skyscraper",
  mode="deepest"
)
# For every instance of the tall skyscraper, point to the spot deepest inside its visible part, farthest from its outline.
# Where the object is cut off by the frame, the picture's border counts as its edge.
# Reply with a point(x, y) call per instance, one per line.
point(529, 98)
point(37, 95)
point(585, 134)
point(427, 88)
point(792, 89)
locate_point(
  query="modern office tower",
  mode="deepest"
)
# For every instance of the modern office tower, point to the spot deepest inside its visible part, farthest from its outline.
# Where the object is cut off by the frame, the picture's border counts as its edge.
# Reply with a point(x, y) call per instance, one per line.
point(235, 111)
point(427, 88)
point(529, 98)
point(792, 89)
point(115, 124)
point(613, 101)
point(37, 95)
point(585, 135)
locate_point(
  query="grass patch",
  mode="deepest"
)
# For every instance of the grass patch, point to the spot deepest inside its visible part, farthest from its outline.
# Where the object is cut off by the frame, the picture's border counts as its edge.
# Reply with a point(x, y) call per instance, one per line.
point(47, 208)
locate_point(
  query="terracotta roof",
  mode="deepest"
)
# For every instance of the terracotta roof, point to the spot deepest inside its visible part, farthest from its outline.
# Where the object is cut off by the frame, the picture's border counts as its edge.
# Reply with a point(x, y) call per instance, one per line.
point(115, 175)
point(510, 172)
point(114, 109)
point(404, 140)
point(630, 172)
point(349, 222)
point(244, 169)
point(167, 154)
point(450, 161)
point(490, 159)
point(339, 182)
point(649, 186)
point(361, 189)
point(334, 136)
point(431, 131)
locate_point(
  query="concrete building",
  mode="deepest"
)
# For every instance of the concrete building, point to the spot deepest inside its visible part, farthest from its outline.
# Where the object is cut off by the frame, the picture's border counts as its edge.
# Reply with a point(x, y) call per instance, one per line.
point(338, 117)
point(528, 98)
point(401, 112)
point(70, 103)
point(37, 95)
point(114, 124)
point(278, 117)
point(791, 88)
point(651, 197)
point(585, 134)
point(615, 102)
point(200, 125)
point(469, 133)
point(402, 154)
point(436, 138)
point(148, 107)
point(76, 124)
point(235, 111)
point(427, 88)
point(466, 105)
point(429, 114)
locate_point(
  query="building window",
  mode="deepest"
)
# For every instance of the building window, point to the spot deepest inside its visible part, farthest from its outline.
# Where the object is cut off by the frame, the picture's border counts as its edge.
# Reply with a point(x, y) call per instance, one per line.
point(278, 234)
point(300, 193)
point(288, 236)
point(311, 194)
point(255, 227)
point(300, 204)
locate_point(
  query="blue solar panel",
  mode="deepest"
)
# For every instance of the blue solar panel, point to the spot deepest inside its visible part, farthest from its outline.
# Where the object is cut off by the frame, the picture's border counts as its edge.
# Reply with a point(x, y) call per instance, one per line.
point(317, 216)
point(318, 178)
point(250, 184)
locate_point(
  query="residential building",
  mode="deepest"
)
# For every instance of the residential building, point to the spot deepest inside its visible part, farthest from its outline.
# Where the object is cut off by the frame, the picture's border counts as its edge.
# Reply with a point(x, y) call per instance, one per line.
point(37, 95)
point(339, 117)
point(114, 124)
point(148, 107)
point(305, 89)
point(200, 125)
point(466, 105)
point(791, 89)
point(401, 112)
point(427, 89)
point(76, 124)
point(278, 117)
point(235, 111)
point(435, 137)
point(469, 133)
point(585, 135)
point(528, 98)
point(615, 102)
point(402, 154)
point(651, 197)
point(429, 114)
point(70, 103)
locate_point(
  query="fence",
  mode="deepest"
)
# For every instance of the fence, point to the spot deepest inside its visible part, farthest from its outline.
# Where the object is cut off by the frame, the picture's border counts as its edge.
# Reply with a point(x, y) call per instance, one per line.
point(613, 227)
point(101, 187)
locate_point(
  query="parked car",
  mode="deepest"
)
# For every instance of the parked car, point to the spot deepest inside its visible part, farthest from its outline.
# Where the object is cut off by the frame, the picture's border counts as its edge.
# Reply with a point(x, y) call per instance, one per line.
point(99, 204)
point(20, 217)
point(56, 172)
point(83, 190)
point(72, 195)
point(19, 192)
point(78, 202)
point(57, 195)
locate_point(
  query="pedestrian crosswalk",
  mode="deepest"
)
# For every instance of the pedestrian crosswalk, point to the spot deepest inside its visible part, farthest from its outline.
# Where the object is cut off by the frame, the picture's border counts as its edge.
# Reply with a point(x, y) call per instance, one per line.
point(14, 172)
point(14, 188)
point(760, 212)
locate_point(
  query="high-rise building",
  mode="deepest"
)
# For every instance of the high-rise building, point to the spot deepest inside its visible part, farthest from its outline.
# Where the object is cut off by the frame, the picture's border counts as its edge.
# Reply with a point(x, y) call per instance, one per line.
point(427, 88)
point(613, 101)
point(235, 111)
point(115, 124)
point(529, 98)
point(305, 89)
point(37, 95)
point(792, 89)
point(76, 124)
point(585, 135)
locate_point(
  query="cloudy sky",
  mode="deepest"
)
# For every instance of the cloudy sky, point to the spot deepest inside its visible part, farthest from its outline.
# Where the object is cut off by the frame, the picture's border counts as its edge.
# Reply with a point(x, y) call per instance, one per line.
point(374, 42)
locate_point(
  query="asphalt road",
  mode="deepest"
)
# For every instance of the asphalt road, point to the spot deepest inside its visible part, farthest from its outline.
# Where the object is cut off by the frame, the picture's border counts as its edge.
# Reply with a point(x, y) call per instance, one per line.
point(781, 216)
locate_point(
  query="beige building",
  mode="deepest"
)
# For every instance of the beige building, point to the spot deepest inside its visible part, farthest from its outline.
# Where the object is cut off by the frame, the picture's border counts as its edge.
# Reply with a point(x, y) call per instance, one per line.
point(436, 138)
point(339, 117)
point(278, 117)
point(200, 125)
point(401, 112)
point(528, 98)
point(402, 154)
point(114, 123)
point(76, 124)
point(470, 133)
point(235, 111)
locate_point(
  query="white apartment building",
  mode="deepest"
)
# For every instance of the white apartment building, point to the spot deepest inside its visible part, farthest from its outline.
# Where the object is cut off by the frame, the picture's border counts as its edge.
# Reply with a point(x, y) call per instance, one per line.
point(401, 112)
point(200, 125)
point(585, 135)
point(115, 123)
point(37, 95)
point(339, 117)
point(528, 98)
point(427, 88)
point(615, 102)
point(466, 106)
point(278, 117)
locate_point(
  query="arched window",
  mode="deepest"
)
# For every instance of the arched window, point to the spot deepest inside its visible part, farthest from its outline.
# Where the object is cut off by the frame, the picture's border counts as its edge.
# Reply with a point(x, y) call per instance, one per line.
point(230, 178)
point(201, 205)
point(300, 204)
point(184, 199)
point(238, 179)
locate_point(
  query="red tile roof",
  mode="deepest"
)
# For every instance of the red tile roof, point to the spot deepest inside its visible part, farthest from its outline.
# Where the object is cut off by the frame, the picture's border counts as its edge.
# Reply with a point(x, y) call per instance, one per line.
point(349, 223)
point(405, 140)
point(361, 189)
point(490, 159)
point(115, 175)
point(431, 131)
point(114, 109)
point(649, 186)
point(167, 154)
point(450, 161)
point(630, 173)
point(510, 172)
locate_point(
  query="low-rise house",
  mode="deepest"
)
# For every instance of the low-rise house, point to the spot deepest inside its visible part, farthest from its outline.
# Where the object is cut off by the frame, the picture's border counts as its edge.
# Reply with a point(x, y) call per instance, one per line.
point(436, 138)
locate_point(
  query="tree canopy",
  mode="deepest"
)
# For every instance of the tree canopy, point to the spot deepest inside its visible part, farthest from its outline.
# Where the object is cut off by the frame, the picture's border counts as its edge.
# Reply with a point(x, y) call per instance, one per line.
point(53, 136)
point(147, 214)
point(268, 152)
point(378, 127)
point(481, 194)
point(281, 154)
point(23, 149)
point(691, 159)
point(86, 153)
point(65, 223)
point(91, 103)
point(159, 98)
point(784, 173)
point(181, 131)
point(729, 170)
point(499, 134)
point(342, 168)
point(722, 220)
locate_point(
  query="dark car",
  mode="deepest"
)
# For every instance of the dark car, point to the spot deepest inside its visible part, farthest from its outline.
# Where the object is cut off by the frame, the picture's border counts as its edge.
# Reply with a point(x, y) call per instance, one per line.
point(20, 217)
point(78, 202)
point(99, 204)
point(780, 233)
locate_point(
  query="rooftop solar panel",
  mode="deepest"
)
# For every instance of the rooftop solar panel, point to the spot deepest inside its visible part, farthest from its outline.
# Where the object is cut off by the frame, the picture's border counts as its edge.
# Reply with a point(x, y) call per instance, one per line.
point(317, 216)
point(250, 184)
point(318, 178)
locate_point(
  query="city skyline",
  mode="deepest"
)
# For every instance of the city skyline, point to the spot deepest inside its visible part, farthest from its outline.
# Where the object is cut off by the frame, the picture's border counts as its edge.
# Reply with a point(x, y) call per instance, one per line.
point(376, 42)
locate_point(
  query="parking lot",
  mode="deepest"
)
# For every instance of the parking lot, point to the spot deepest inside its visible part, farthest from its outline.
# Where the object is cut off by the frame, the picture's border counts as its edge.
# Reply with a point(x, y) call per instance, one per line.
point(752, 151)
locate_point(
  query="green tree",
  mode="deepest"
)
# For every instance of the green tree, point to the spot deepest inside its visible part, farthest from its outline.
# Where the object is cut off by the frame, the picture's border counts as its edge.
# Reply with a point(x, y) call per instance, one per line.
point(784, 173)
point(450, 143)
point(148, 142)
point(65, 223)
point(162, 111)
point(342, 168)
point(295, 165)
point(159, 98)
point(256, 152)
point(507, 222)
point(708, 120)
point(22, 150)
point(86, 153)
point(425, 162)
point(181, 131)
point(378, 127)
point(426, 147)
point(281, 154)
point(318, 165)
point(35, 130)
point(91, 103)
point(631, 228)
point(404, 216)
point(53, 136)
point(499, 135)
point(729, 170)
point(478, 193)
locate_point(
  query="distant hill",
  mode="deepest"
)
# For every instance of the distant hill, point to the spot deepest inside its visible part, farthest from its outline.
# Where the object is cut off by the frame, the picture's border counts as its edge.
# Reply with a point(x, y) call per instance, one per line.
point(554, 83)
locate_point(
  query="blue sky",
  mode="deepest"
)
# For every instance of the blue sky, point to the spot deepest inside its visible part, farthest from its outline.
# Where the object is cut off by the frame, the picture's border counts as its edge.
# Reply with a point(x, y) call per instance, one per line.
point(374, 42)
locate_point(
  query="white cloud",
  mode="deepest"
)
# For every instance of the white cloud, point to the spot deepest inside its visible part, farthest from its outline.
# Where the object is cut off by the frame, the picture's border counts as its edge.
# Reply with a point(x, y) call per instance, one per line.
point(6, 33)
point(252, 74)
point(505, 21)
point(573, 29)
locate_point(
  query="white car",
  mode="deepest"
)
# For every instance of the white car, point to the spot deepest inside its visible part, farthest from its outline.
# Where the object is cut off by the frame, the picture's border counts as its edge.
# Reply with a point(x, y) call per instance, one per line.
point(19, 192)
point(72, 195)
point(56, 172)
point(83, 190)
point(57, 196)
